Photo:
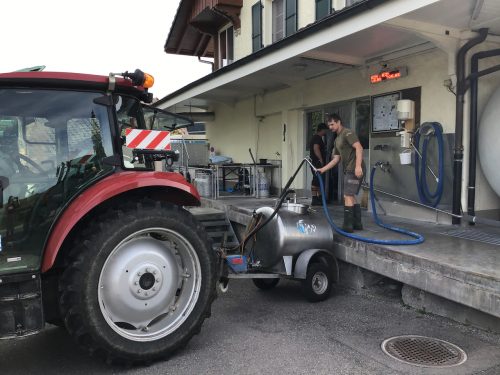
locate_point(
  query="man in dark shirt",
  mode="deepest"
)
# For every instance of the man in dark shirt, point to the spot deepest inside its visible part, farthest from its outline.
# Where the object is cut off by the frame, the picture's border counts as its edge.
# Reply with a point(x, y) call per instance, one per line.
point(347, 149)
point(317, 152)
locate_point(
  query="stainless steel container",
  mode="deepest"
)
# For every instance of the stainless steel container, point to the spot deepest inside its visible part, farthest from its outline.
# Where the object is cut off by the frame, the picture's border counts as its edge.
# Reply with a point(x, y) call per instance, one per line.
point(293, 230)
point(295, 207)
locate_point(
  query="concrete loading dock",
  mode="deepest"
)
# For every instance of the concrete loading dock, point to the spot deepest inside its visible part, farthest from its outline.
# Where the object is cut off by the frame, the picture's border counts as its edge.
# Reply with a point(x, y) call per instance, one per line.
point(446, 275)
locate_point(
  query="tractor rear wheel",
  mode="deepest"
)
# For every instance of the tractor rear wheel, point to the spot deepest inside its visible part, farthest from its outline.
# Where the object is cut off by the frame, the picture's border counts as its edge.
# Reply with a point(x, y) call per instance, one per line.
point(140, 283)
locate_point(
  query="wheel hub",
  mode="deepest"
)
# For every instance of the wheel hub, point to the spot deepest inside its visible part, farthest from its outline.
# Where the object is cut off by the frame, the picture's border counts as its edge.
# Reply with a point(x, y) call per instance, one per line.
point(319, 283)
point(146, 281)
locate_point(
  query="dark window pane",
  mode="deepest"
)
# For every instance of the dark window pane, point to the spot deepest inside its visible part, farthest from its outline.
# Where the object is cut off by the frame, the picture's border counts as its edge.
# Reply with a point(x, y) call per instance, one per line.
point(256, 27)
point(230, 44)
point(291, 8)
point(291, 17)
point(291, 25)
point(222, 47)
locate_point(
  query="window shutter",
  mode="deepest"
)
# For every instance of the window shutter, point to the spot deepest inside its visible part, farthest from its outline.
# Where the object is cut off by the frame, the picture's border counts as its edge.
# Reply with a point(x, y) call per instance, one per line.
point(256, 26)
point(291, 17)
point(323, 8)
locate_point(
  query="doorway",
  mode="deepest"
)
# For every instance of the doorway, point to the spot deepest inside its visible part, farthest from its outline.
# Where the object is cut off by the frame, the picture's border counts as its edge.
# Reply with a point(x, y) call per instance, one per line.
point(355, 114)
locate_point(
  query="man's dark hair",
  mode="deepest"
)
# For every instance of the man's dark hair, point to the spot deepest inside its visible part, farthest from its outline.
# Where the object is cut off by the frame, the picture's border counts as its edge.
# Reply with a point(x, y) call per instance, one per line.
point(334, 117)
point(321, 126)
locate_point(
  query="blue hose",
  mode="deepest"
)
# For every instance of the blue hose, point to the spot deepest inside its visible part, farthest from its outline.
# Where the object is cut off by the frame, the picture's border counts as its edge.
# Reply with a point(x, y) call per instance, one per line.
point(418, 238)
point(424, 193)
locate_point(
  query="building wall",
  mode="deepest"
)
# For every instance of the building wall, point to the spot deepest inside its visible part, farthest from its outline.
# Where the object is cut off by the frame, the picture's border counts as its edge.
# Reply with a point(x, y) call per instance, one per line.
point(307, 12)
point(258, 118)
point(234, 130)
point(243, 36)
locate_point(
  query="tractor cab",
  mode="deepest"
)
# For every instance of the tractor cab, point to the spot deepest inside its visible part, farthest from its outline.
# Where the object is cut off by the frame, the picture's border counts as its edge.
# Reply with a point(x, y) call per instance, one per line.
point(53, 143)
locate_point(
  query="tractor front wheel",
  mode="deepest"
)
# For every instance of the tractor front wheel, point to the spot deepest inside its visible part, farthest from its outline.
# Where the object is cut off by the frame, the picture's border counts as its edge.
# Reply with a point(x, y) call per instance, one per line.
point(140, 283)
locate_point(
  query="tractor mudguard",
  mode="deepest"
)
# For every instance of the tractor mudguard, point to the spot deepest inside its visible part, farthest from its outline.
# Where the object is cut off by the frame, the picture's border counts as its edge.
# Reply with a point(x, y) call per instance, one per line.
point(108, 188)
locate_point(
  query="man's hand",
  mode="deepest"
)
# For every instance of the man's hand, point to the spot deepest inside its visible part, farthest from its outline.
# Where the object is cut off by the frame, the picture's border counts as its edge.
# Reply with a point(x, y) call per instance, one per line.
point(321, 170)
point(358, 171)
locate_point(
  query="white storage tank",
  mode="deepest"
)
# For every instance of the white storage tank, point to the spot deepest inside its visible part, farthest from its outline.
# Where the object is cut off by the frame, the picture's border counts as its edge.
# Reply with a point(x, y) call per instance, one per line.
point(488, 141)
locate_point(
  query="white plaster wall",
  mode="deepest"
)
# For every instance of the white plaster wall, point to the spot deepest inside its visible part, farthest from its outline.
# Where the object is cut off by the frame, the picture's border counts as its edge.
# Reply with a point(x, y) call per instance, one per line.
point(243, 36)
point(307, 12)
point(267, 22)
point(269, 134)
point(338, 4)
point(428, 70)
point(234, 130)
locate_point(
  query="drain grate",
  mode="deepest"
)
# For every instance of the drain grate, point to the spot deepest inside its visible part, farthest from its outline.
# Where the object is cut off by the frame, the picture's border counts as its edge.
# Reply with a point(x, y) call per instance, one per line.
point(474, 235)
point(424, 351)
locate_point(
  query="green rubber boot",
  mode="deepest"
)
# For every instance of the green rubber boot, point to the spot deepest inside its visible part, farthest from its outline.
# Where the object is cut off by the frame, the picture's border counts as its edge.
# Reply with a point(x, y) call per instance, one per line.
point(358, 225)
point(348, 219)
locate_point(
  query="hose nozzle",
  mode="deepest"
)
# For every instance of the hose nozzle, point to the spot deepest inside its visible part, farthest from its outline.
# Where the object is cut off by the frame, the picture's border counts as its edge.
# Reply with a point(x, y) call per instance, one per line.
point(385, 166)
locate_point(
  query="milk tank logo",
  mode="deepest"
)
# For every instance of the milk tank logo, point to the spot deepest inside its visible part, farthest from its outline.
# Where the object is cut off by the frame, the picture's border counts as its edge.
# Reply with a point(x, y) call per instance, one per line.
point(305, 228)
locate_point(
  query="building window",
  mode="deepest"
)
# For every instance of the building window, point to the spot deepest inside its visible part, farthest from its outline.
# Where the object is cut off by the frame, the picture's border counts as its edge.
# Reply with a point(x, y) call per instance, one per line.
point(323, 8)
point(256, 26)
point(278, 20)
point(284, 18)
point(348, 3)
point(226, 46)
point(291, 17)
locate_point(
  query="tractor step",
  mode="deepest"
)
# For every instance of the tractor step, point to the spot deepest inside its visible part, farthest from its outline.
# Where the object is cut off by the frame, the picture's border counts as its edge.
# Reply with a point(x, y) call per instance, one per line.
point(21, 311)
point(217, 226)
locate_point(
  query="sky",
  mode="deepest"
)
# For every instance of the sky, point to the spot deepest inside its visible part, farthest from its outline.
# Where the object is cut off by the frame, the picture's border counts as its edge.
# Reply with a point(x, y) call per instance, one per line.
point(96, 37)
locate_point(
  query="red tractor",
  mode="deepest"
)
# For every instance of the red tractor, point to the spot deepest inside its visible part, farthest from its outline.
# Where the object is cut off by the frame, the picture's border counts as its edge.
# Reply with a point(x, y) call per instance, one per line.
point(92, 236)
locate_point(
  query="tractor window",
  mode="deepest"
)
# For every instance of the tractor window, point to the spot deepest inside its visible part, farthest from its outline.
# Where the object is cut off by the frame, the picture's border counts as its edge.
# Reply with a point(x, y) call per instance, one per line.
point(52, 145)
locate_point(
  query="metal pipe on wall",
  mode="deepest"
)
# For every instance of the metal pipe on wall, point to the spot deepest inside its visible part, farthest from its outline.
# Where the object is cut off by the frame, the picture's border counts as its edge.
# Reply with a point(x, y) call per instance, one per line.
point(473, 80)
point(459, 122)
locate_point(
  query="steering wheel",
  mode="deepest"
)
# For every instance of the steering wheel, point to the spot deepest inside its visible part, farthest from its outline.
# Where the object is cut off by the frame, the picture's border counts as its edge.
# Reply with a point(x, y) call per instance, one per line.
point(33, 163)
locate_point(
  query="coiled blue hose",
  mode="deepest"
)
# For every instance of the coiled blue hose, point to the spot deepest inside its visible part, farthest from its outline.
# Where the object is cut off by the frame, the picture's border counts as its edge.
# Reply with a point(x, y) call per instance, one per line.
point(418, 238)
point(424, 193)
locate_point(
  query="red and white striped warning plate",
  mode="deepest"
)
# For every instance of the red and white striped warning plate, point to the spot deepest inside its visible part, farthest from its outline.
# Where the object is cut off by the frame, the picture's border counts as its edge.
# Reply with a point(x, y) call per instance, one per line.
point(147, 139)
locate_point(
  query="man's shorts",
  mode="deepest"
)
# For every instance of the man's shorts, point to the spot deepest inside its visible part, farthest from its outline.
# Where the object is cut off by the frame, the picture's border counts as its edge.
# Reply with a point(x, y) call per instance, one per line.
point(352, 184)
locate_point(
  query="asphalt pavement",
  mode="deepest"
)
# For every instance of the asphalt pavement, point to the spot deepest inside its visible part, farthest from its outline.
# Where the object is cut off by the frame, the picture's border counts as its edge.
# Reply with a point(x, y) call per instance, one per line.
point(278, 332)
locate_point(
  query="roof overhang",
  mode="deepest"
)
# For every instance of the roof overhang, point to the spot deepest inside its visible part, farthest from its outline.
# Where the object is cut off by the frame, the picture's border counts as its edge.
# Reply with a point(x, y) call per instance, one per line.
point(352, 38)
point(196, 21)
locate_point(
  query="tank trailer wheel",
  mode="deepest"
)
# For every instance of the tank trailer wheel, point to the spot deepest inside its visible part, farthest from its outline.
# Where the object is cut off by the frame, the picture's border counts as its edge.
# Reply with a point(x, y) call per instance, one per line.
point(318, 282)
point(140, 283)
point(266, 284)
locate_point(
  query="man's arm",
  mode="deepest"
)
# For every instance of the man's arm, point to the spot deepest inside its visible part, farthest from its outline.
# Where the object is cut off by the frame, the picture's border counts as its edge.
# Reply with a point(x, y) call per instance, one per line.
point(317, 152)
point(358, 171)
point(330, 165)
